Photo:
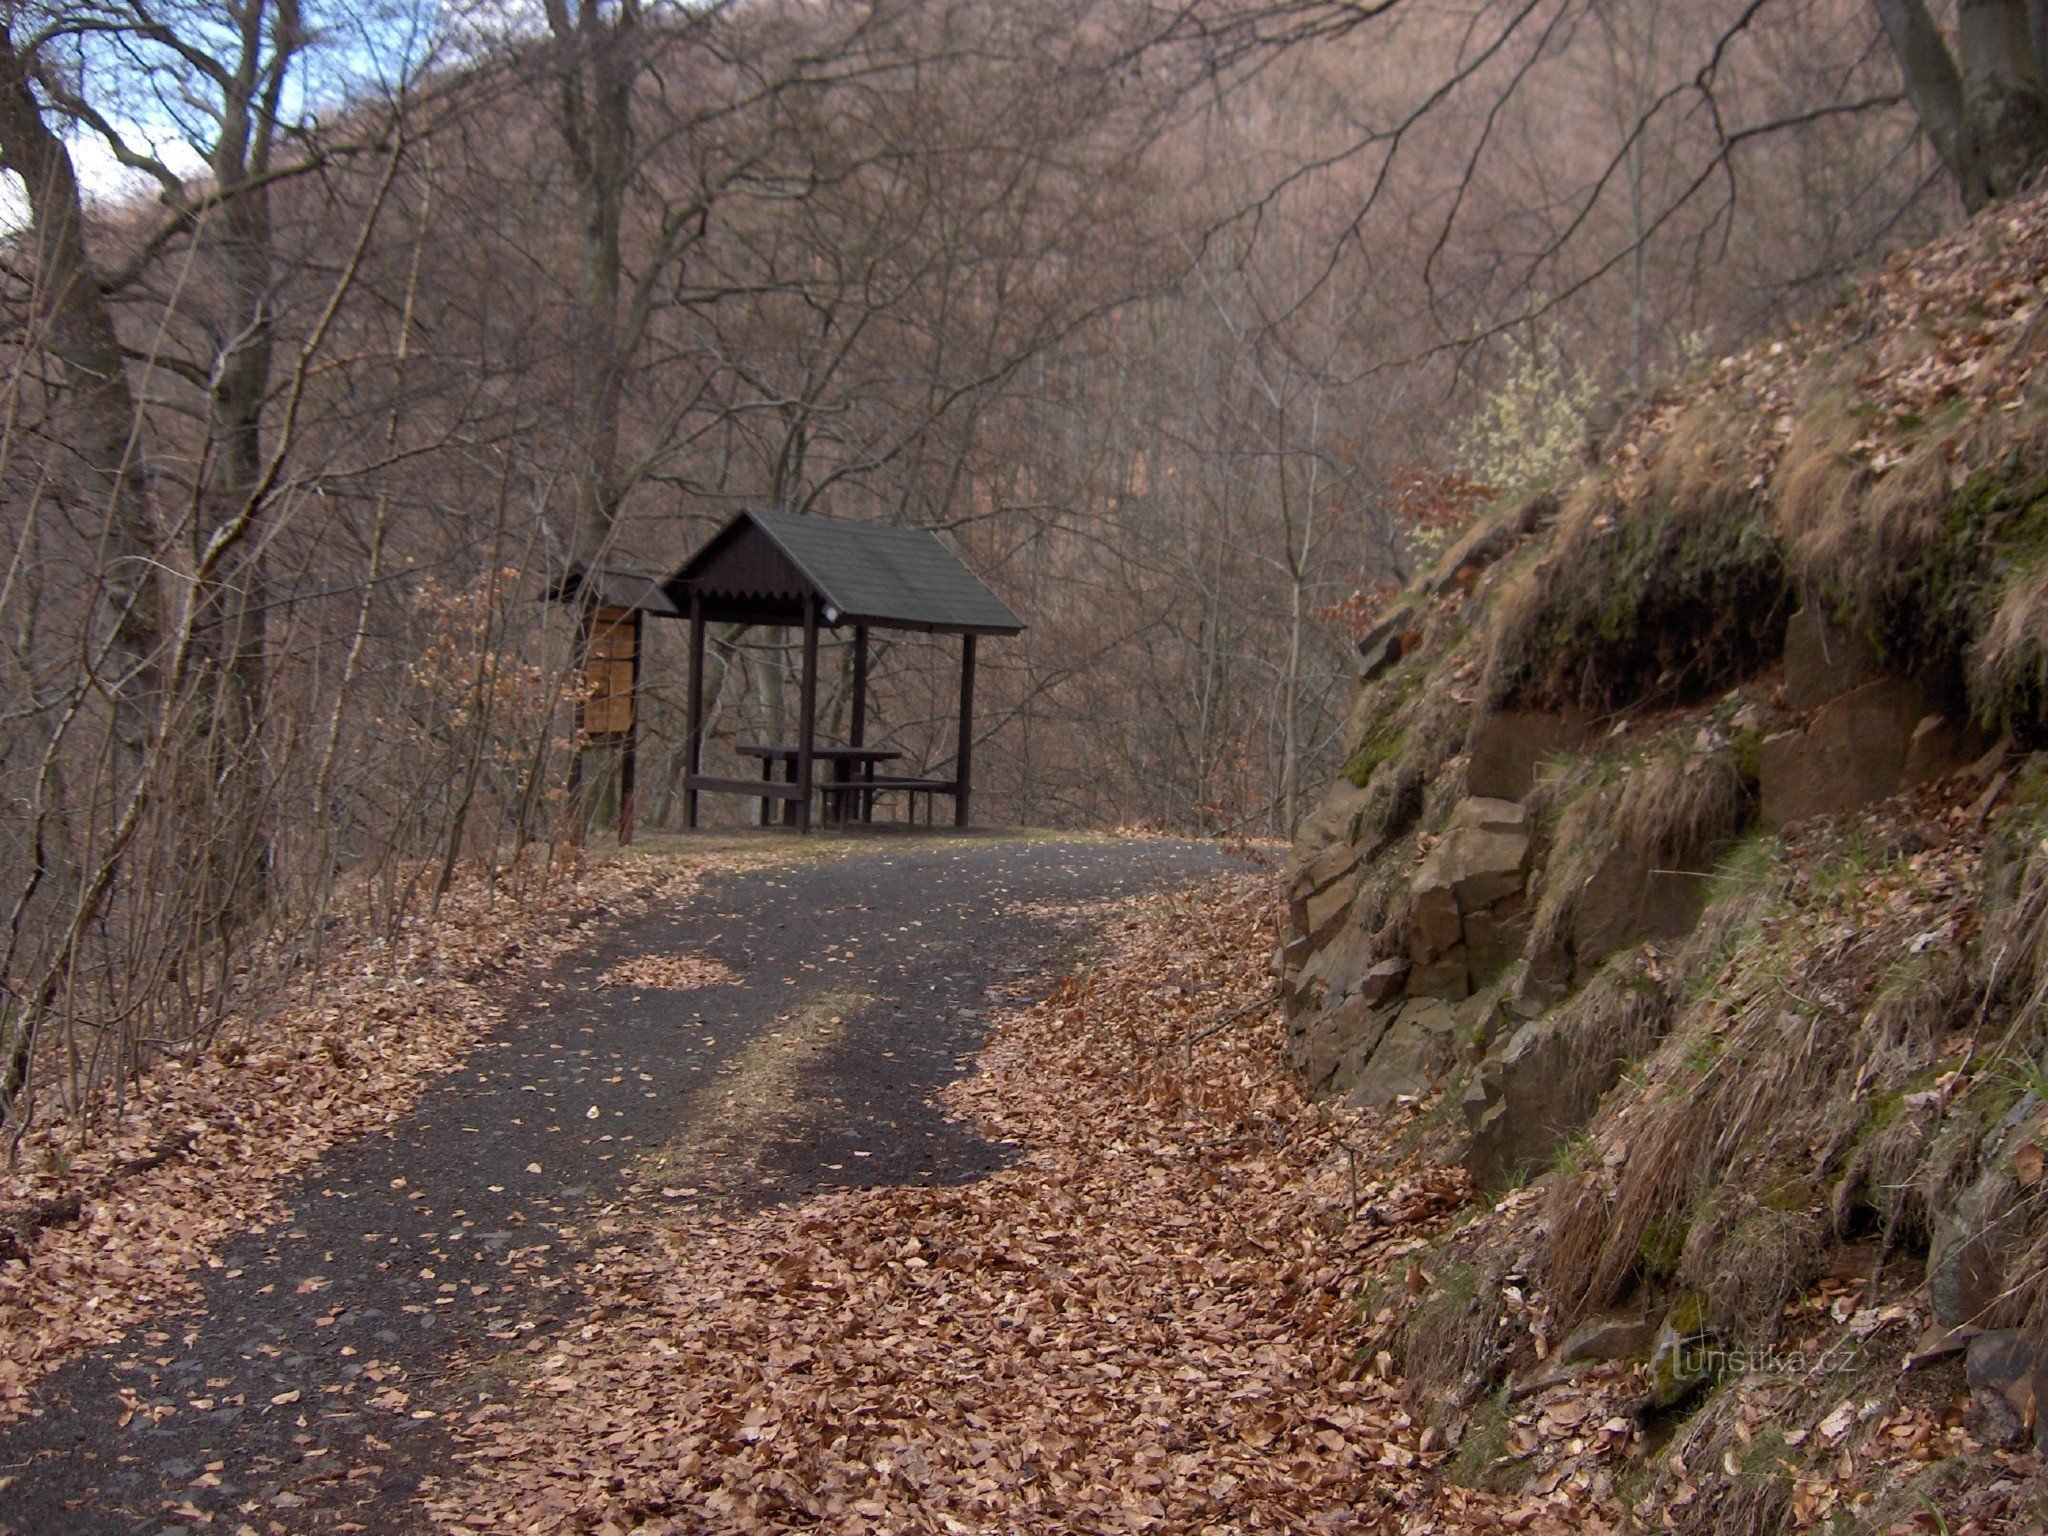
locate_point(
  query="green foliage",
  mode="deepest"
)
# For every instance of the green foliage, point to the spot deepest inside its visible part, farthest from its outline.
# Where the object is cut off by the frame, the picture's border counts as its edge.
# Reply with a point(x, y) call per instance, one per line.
point(1576, 1154)
point(1532, 426)
point(1749, 755)
point(1381, 745)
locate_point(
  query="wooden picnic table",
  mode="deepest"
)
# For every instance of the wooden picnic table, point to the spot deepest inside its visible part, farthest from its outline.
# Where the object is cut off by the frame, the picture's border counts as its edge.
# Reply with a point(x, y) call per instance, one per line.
point(852, 768)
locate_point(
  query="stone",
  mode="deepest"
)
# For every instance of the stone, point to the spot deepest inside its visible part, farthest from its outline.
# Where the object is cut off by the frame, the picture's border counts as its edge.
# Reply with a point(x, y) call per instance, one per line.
point(1396, 621)
point(1337, 967)
point(1475, 869)
point(1481, 1017)
point(1996, 1424)
point(2011, 1370)
point(1376, 663)
point(1417, 1048)
point(1434, 923)
point(1610, 1336)
point(1334, 821)
point(1295, 950)
point(1680, 1360)
point(2002, 1357)
point(1854, 753)
point(1628, 899)
point(1507, 746)
point(1333, 863)
point(1476, 813)
point(1483, 867)
point(1940, 747)
point(1527, 1099)
point(1350, 1030)
point(1448, 977)
point(1323, 911)
point(1384, 981)
point(1482, 934)
point(1976, 1241)
point(1382, 648)
point(1824, 661)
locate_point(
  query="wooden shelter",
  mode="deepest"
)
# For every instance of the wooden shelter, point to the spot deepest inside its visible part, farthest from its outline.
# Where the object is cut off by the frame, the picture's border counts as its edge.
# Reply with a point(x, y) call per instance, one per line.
point(612, 605)
point(816, 573)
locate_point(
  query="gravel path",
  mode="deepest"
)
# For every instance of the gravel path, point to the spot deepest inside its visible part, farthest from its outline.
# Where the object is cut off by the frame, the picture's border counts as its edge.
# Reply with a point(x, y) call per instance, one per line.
point(409, 1272)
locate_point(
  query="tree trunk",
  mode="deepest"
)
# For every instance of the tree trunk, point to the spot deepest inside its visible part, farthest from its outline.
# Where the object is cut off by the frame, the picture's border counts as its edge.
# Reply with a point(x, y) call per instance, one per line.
point(596, 67)
point(1936, 90)
point(237, 239)
point(2003, 94)
point(80, 333)
point(1987, 115)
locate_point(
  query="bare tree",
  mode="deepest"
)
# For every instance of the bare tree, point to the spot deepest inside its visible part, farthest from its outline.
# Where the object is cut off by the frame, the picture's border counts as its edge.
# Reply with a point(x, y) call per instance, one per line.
point(1984, 104)
point(79, 329)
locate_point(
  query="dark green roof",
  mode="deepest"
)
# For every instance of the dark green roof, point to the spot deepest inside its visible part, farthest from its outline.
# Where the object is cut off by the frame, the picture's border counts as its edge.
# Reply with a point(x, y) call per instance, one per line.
point(905, 577)
point(611, 587)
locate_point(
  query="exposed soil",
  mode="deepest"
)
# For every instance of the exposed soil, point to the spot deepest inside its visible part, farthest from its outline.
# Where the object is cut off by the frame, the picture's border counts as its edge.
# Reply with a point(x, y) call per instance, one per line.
point(308, 1389)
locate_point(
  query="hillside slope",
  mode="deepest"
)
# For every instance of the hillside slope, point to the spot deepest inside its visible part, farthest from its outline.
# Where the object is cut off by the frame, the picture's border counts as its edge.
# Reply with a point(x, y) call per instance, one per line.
point(1688, 881)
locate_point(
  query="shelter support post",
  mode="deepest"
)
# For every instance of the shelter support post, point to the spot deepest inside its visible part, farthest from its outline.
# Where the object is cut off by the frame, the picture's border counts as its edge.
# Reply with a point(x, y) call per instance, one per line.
point(857, 729)
point(694, 753)
point(585, 635)
point(629, 749)
point(807, 718)
point(963, 758)
point(863, 805)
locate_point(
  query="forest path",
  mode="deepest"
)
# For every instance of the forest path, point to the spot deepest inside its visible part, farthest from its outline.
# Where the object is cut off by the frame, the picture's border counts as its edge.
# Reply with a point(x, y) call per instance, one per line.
point(411, 1274)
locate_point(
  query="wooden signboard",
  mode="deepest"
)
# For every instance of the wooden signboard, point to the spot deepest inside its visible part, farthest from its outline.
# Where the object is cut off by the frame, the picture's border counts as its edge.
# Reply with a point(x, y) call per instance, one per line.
point(611, 665)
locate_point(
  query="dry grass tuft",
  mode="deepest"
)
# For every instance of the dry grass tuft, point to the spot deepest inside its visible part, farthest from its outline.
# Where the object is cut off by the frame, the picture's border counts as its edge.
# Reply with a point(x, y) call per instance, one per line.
point(1749, 1251)
point(2009, 662)
point(1804, 1028)
point(1941, 558)
point(1752, 1493)
point(1684, 802)
point(1455, 1332)
point(1820, 479)
point(1664, 593)
point(1582, 839)
point(1671, 810)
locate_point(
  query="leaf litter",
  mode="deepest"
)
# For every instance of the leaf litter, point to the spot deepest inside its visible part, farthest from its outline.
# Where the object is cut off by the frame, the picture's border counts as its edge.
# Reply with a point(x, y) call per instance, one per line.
point(669, 973)
point(1148, 1323)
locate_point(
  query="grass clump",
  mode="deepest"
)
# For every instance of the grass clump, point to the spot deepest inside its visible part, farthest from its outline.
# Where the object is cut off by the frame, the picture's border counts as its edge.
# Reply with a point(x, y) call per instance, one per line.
point(1668, 809)
point(1664, 590)
point(1482, 1461)
point(1947, 578)
point(1750, 1126)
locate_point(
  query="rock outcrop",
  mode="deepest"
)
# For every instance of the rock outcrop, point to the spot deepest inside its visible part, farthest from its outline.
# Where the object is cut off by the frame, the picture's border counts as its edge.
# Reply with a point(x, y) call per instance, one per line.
point(1470, 907)
point(1690, 862)
point(1509, 747)
point(1871, 735)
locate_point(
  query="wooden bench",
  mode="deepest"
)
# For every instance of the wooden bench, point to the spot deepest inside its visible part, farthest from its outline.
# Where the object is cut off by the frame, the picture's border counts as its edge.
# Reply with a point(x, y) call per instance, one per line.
point(881, 783)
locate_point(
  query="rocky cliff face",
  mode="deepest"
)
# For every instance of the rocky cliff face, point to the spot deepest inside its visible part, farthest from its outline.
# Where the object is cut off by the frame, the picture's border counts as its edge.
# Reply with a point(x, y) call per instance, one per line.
point(1688, 878)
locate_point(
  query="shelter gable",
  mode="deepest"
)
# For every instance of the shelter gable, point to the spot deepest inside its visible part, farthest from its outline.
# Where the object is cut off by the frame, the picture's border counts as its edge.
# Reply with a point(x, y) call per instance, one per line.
point(762, 564)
